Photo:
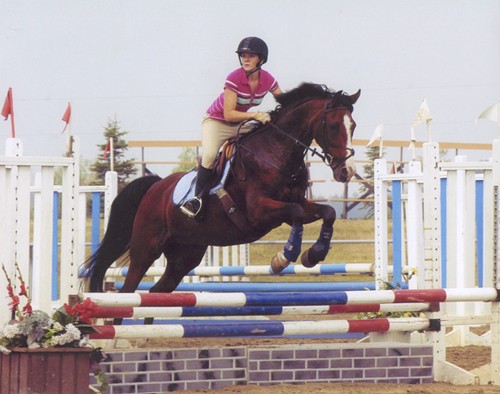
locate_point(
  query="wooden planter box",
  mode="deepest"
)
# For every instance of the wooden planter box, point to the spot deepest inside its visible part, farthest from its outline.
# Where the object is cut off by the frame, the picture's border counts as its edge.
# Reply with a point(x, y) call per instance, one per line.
point(45, 371)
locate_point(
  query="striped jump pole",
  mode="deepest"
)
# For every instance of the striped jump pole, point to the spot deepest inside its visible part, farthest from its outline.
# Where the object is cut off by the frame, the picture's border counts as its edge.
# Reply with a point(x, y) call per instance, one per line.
point(293, 299)
point(105, 312)
point(261, 328)
point(259, 270)
point(230, 287)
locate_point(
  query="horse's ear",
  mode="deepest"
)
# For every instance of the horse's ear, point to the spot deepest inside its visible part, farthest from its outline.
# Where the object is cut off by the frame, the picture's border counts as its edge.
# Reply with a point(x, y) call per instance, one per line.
point(336, 97)
point(354, 97)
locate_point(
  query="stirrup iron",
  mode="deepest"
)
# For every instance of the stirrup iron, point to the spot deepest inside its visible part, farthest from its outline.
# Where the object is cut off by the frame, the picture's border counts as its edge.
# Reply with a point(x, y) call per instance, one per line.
point(187, 212)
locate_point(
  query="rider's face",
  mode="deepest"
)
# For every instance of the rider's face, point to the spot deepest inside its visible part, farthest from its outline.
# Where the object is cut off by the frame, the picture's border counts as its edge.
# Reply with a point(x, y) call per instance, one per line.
point(249, 61)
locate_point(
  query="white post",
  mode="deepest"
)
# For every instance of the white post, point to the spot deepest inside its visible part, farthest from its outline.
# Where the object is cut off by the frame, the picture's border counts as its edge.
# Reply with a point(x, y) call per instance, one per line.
point(69, 283)
point(495, 306)
point(432, 217)
point(42, 240)
point(7, 247)
point(8, 219)
point(111, 182)
point(112, 154)
point(82, 226)
point(380, 211)
point(432, 248)
point(13, 147)
point(414, 228)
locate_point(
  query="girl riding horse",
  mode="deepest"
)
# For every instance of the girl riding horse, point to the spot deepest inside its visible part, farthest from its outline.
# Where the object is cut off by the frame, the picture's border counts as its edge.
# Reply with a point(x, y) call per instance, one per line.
point(244, 88)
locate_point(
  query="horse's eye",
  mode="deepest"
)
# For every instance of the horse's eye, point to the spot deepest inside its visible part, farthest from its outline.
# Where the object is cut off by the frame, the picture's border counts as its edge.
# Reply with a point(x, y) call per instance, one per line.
point(334, 128)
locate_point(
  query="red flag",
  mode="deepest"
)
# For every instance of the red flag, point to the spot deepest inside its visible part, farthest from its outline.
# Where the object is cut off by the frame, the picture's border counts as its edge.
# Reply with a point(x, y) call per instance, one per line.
point(66, 116)
point(8, 109)
point(108, 148)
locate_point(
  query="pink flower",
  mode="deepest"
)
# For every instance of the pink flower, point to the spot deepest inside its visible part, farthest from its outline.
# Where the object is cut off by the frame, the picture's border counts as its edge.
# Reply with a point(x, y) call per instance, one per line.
point(14, 303)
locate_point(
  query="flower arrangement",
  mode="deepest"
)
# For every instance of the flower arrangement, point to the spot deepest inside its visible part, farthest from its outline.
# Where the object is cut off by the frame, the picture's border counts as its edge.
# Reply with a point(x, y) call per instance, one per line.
point(68, 327)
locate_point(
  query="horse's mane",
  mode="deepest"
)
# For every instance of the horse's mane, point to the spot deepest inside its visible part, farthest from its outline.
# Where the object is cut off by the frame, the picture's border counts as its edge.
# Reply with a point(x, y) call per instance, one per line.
point(309, 91)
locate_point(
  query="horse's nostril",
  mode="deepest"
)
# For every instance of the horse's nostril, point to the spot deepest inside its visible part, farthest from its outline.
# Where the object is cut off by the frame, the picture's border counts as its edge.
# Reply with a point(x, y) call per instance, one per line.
point(345, 172)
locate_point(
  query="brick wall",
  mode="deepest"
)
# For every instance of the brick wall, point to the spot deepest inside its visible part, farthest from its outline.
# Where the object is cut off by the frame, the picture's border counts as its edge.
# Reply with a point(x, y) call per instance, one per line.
point(154, 371)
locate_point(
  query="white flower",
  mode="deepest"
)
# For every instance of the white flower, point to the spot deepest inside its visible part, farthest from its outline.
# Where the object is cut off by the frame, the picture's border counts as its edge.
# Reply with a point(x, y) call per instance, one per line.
point(11, 330)
point(34, 345)
point(73, 332)
point(57, 326)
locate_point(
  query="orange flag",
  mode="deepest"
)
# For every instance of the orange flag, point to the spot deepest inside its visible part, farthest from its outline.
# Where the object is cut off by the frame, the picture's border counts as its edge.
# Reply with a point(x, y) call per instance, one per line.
point(66, 117)
point(8, 109)
point(108, 148)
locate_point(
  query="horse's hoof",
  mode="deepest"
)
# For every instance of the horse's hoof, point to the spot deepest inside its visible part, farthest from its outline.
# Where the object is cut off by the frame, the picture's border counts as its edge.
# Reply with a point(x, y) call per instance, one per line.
point(279, 263)
point(307, 259)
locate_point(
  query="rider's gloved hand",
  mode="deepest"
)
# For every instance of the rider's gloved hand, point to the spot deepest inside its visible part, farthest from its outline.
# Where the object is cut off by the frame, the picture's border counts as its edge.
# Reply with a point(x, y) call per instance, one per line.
point(262, 117)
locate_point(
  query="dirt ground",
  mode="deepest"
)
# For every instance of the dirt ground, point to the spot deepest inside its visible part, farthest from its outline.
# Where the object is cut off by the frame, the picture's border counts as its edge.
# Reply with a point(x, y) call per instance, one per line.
point(469, 358)
point(353, 388)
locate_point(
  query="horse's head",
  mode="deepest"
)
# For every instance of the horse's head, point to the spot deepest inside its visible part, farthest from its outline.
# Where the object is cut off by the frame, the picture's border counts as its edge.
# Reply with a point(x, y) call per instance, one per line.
point(333, 131)
point(313, 111)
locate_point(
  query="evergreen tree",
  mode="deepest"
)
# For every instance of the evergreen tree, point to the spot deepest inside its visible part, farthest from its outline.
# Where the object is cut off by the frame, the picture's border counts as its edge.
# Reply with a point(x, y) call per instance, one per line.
point(372, 153)
point(188, 160)
point(124, 168)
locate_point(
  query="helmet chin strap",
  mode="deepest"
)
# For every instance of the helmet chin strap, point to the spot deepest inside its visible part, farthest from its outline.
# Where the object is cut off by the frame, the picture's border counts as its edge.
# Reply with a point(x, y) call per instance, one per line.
point(251, 72)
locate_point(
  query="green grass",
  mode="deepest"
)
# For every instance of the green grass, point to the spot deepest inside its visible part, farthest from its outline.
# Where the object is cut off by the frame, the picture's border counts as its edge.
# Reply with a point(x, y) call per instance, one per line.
point(361, 229)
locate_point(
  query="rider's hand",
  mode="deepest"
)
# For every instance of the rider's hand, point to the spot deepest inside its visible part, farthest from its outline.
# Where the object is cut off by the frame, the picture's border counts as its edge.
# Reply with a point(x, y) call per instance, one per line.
point(262, 117)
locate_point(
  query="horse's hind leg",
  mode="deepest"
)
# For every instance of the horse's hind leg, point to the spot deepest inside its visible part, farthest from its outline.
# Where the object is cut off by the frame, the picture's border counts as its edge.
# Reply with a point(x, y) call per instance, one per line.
point(180, 260)
point(142, 255)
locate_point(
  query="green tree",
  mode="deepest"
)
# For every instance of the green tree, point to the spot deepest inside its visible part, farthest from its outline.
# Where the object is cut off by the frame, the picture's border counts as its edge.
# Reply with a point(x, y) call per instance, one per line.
point(372, 153)
point(187, 160)
point(124, 168)
point(86, 175)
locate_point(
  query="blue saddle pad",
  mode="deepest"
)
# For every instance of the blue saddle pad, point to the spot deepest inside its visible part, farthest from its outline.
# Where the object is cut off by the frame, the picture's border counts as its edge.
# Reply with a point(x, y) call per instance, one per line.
point(184, 190)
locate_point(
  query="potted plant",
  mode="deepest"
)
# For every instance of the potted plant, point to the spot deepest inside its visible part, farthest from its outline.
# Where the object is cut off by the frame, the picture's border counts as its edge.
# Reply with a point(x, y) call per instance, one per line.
point(44, 354)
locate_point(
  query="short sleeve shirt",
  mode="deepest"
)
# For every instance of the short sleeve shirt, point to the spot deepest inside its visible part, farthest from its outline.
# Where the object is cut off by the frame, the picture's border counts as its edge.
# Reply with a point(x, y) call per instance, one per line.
point(237, 81)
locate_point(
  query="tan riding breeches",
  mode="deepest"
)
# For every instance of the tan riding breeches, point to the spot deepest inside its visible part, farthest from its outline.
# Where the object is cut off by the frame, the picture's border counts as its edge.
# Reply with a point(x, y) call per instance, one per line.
point(214, 133)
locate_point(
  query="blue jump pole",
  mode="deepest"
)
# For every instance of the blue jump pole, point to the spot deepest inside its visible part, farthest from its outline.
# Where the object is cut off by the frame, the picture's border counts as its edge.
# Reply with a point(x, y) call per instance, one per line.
point(397, 233)
point(264, 286)
point(96, 221)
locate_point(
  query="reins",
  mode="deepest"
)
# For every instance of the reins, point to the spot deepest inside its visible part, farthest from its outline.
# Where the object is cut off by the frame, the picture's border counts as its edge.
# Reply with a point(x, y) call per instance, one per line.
point(325, 157)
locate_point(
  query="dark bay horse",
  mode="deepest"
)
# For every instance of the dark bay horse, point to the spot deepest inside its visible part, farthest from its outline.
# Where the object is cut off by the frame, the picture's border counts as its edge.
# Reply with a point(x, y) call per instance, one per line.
point(267, 184)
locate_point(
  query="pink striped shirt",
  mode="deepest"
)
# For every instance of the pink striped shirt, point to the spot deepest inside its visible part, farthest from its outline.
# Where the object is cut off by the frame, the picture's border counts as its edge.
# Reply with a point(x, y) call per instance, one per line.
point(237, 81)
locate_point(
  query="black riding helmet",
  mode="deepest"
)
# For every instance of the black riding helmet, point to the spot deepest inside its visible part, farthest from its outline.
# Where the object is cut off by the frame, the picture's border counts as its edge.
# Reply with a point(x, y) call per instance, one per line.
point(253, 45)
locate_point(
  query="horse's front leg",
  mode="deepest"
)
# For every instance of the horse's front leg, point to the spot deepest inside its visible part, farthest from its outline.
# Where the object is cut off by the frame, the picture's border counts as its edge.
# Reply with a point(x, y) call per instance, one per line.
point(319, 250)
point(290, 213)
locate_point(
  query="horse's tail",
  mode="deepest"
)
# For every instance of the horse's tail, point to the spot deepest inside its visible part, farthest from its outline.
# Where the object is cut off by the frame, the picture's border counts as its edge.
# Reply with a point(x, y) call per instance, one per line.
point(116, 241)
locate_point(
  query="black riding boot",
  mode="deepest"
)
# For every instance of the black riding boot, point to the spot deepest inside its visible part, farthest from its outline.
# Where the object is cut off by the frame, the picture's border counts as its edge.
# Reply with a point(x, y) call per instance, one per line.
point(192, 207)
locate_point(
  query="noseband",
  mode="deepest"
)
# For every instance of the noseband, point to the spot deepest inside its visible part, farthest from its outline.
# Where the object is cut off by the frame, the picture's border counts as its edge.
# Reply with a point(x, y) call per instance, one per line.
point(327, 158)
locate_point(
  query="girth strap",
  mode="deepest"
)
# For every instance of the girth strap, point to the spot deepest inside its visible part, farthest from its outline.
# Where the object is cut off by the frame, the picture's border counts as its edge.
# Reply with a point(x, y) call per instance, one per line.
point(232, 210)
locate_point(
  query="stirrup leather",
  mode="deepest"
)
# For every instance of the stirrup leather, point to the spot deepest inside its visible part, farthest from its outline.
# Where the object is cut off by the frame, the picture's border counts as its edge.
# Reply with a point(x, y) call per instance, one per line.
point(187, 212)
